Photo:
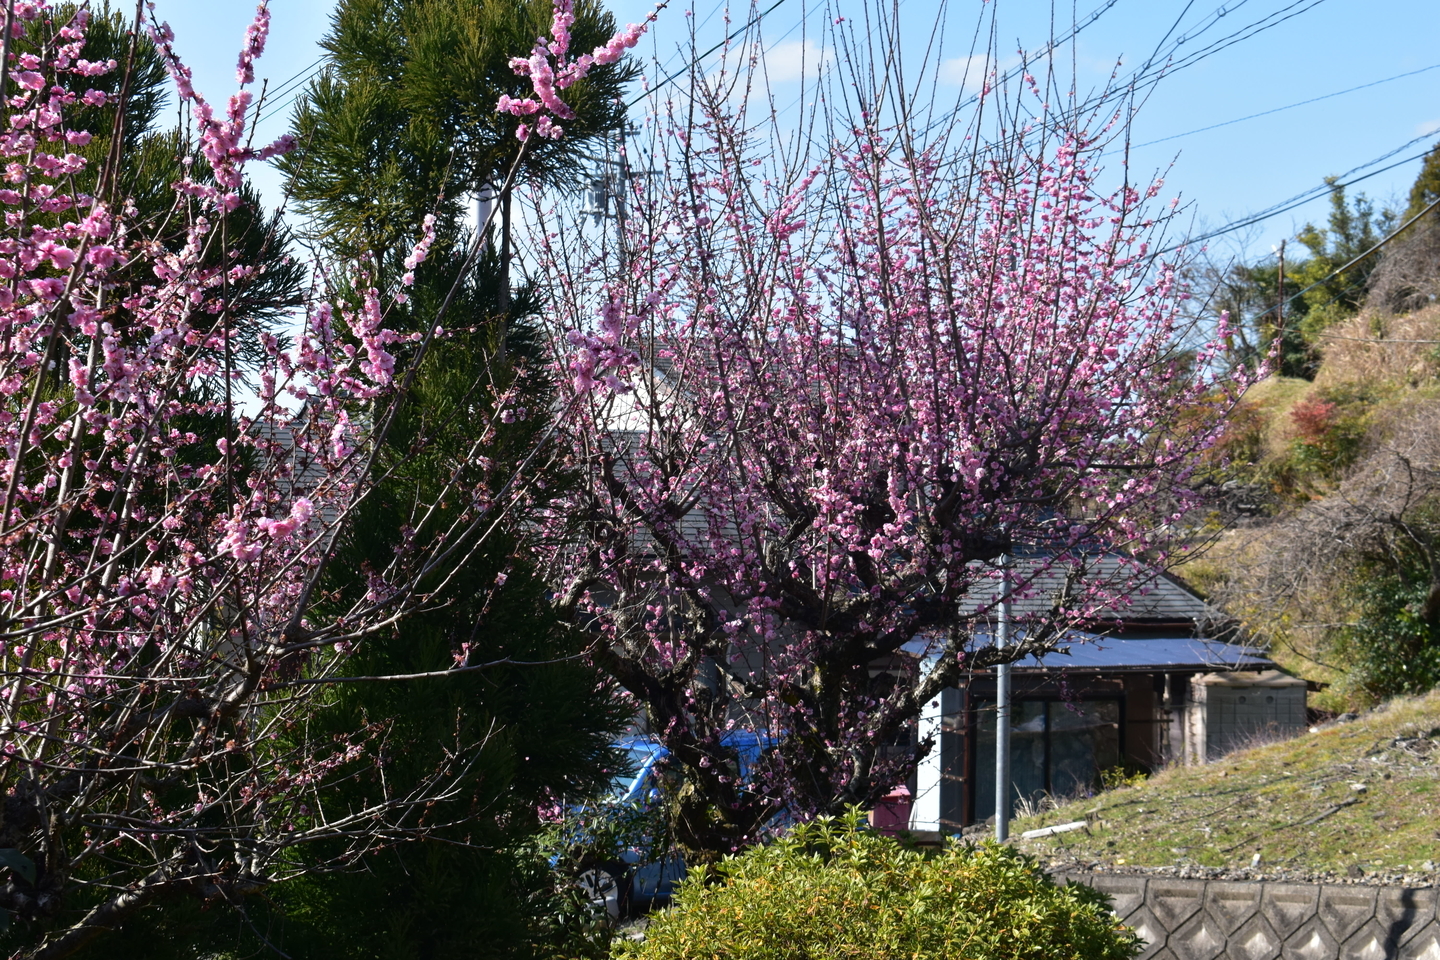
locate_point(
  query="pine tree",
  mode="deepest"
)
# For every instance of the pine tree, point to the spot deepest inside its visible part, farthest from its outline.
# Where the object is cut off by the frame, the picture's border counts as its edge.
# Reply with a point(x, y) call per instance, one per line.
point(401, 125)
point(402, 122)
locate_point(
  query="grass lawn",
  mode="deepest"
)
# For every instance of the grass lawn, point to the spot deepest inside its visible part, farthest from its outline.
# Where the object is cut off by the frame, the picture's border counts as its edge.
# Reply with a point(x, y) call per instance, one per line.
point(1354, 797)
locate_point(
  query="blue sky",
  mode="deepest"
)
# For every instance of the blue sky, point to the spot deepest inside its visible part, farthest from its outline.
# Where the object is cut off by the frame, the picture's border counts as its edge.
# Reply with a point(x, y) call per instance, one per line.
point(1224, 174)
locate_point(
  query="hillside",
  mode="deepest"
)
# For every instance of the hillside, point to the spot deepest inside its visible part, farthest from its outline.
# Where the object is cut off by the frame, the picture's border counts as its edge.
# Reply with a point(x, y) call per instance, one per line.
point(1330, 554)
point(1353, 799)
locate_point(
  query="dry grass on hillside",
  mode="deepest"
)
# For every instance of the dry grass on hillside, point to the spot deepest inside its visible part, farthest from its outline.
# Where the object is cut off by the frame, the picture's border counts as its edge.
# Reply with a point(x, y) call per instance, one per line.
point(1272, 399)
point(1398, 351)
point(1354, 797)
point(1334, 497)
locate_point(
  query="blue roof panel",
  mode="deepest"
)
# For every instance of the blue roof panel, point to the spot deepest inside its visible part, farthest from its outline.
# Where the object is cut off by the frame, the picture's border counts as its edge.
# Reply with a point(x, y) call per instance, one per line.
point(1181, 653)
point(1093, 653)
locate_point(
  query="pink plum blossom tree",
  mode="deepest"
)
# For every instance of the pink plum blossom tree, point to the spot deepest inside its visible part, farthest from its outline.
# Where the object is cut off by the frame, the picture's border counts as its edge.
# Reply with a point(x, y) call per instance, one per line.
point(170, 620)
point(831, 369)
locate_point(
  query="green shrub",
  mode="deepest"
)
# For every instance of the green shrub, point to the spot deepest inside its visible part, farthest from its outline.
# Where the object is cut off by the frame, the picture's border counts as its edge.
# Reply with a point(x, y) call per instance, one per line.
point(1124, 775)
point(1392, 646)
point(832, 891)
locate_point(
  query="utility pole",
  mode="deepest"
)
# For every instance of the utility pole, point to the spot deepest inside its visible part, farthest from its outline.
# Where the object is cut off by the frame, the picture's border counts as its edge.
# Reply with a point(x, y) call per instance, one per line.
point(1002, 711)
point(1280, 309)
point(609, 184)
point(608, 192)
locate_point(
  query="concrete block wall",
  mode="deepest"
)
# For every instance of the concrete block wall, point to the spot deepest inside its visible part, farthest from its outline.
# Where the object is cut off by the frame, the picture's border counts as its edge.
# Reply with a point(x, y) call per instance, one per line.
point(1210, 919)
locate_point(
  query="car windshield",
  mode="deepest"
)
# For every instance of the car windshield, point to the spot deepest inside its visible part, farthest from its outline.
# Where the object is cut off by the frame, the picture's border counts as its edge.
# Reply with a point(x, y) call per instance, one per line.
point(637, 757)
point(640, 753)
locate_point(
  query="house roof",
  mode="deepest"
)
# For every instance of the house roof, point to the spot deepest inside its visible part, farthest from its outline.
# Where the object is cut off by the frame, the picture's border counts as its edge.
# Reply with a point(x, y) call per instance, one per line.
point(1092, 653)
point(1143, 596)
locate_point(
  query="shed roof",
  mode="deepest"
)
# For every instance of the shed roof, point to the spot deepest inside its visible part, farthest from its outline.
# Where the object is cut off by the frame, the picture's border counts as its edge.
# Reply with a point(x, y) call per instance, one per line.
point(1091, 653)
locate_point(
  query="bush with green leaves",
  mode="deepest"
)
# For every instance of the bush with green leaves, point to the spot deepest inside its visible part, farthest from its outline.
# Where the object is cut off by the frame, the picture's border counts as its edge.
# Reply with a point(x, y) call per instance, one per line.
point(1391, 647)
point(833, 890)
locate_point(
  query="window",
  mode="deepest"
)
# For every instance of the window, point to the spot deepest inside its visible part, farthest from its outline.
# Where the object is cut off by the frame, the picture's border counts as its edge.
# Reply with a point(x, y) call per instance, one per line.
point(1056, 748)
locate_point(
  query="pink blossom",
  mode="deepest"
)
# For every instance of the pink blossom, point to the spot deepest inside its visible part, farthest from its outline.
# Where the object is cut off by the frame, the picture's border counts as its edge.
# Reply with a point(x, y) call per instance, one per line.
point(102, 255)
point(618, 44)
point(550, 70)
point(61, 257)
point(808, 423)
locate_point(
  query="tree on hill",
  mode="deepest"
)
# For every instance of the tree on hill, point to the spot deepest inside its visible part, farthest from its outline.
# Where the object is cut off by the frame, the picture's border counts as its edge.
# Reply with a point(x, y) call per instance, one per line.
point(1407, 277)
point(1250, 293)
point(1426, 188)
point(1352, 229)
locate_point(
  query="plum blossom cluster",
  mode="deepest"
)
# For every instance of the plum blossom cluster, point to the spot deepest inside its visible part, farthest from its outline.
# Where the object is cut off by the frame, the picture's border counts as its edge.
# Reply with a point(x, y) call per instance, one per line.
point(550, 71)
point(601, 357)
point(221, 140)
point(160, 568)
point(841, 393)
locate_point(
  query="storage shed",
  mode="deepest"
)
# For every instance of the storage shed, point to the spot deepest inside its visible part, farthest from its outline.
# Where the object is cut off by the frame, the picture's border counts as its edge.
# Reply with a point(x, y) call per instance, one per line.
point(1227, 711)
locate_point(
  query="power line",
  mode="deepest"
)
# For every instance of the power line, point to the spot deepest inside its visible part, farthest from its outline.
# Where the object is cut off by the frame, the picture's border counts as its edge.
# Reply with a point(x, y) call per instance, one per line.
point(679, 51)
point(1015, 72)
point(1266, 113)
point(1300, 199)
point(1354, 260)
point(1148, 74)
point(302, 75)
point(1266, 22)
point(298, 90)
point(694, 60)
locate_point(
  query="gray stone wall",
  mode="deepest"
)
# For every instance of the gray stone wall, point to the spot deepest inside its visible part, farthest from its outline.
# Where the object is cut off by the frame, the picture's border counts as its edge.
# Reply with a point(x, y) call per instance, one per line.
point(1209, 919)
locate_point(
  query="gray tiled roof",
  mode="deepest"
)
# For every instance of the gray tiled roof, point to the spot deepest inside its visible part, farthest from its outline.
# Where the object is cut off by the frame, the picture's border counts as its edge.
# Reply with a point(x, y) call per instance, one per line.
point(1142, 594)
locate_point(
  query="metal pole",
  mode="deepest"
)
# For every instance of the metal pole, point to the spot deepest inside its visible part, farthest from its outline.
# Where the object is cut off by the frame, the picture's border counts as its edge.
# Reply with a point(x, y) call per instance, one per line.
point(1280, 305)
point(1002, 712)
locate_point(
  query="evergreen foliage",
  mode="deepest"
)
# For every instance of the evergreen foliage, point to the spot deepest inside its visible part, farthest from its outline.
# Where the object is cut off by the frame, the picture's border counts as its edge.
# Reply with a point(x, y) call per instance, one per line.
point(1352, 228)
point(1393, 646)
point(1251, 293)
point(402, 121)
point(830, 889)
point(1426, 188)
point(402, 125)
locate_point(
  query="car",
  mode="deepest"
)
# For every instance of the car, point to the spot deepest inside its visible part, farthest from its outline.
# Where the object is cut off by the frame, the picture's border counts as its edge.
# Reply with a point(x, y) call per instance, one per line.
point(627, 865)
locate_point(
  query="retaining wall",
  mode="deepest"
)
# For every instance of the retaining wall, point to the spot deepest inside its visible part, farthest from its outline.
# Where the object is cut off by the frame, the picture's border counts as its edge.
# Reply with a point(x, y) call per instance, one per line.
point(1208, 919)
